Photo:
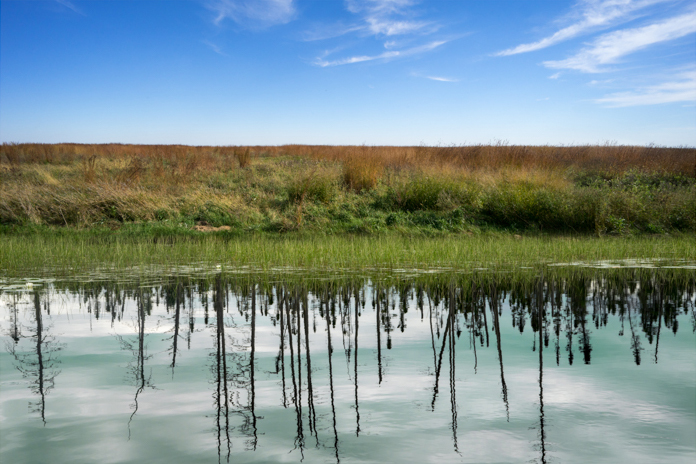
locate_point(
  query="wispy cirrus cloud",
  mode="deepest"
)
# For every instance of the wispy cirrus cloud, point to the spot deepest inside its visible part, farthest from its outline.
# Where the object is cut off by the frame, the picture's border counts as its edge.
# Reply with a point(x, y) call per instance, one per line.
point(70, 5)
point(382, 56)
point(389, 27)
point(214, 47)
point(253, 13)
point(681, 88)
point(610, 48)
point(594, 14)
point(379, 18)
point(395, 20)
point(441, 79)
point(389, 17)
point(329, 31)
point(379, 6)
point(434, 78)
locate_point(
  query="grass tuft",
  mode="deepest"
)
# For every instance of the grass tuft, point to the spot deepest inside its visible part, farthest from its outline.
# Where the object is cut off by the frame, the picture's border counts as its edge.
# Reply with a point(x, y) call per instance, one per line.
point(361, 170)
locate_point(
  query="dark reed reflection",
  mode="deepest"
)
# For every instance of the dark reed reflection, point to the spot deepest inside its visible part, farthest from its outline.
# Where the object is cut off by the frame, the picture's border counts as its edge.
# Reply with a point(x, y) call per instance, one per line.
point(297, 321)
point(495, 308)
point(137, 372)
point(221, 394)
point(174, 300)
point(541, 312)
point(34, 349)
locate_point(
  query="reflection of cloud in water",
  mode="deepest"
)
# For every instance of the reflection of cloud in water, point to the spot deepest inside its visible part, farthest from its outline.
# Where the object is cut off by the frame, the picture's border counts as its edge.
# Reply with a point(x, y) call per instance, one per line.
point(477, 446)
point(583, 404)
point(582, 396)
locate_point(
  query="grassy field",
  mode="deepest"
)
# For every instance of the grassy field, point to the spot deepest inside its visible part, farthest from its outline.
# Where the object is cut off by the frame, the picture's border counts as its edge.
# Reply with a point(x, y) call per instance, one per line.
point(157, 191)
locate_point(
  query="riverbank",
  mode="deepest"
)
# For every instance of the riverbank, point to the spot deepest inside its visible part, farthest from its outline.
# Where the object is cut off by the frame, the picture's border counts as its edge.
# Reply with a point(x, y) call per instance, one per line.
point(70, 206)
point(432, 191)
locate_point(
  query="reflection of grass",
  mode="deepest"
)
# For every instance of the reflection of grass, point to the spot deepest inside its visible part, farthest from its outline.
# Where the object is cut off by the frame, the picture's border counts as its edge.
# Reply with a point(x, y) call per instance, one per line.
point(132, 246)
point(364, 190)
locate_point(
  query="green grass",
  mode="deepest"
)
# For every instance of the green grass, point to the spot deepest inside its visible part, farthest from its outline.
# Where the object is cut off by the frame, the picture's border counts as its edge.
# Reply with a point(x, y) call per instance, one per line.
point(362, 195)
point(68, 250)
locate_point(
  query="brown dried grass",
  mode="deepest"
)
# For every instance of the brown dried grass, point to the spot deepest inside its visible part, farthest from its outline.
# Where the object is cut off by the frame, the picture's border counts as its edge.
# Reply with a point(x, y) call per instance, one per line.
point(362, 169)
point(370, 160)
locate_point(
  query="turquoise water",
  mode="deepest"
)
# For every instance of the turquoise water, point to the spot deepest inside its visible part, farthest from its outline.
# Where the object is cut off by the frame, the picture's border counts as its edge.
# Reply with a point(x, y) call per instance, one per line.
point(186, 371)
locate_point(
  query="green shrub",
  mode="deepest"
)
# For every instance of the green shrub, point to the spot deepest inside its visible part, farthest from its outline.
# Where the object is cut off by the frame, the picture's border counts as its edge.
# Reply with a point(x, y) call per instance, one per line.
point(314, 187)
point(525, 205)
point(416, 193)
point(215, 215)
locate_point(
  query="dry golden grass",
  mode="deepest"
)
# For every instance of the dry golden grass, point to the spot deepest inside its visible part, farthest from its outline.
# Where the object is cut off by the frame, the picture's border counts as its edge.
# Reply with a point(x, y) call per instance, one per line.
point(288, 187)
point(186, 159)
point(605, 158)
point(362, 168)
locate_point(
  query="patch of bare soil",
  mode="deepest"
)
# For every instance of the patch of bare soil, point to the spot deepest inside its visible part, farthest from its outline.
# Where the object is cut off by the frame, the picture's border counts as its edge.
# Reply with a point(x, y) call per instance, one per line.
point(202, 226)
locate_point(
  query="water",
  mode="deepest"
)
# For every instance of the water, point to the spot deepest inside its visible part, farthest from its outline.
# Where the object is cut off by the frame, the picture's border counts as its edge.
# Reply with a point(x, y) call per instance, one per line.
point(229, 369)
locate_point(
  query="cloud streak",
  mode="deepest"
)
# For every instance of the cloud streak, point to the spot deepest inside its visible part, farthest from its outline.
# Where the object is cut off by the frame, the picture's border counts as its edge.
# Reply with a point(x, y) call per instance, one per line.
point(214, 47)
point(71, 6)
point(383, 20)
point(611, 47)
point(597, 13)
point(441, 79)
point(377, 19)
point(382, 56)
point(329, 32)
point(681, 89)
point(253, 13)
point(388, 17)
point(389, 27)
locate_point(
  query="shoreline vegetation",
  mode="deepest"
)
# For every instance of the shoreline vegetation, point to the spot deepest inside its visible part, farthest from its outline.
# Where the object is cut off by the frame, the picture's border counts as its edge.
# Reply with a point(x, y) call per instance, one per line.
point(597, 190)
point(55, 255)
point(343, 206)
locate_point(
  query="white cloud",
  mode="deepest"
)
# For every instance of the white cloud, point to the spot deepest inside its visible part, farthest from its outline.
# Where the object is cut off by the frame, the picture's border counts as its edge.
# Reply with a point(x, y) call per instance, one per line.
point(214, 48)
point(253, 13)
point(381, 18)
point(441, 79)
point(379, 6)
point(385, 18)
point(390, 27)
point(609, 48)
point(681, 89)
point(596, 13)
point(600, 82)
point(555, 76)
point(329, 31)
point(382, 56)
point(71, 5)
point(389, 17)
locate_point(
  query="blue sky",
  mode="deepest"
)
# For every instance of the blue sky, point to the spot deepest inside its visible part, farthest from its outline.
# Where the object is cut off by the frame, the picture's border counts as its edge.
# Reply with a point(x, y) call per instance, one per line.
point(395, 72)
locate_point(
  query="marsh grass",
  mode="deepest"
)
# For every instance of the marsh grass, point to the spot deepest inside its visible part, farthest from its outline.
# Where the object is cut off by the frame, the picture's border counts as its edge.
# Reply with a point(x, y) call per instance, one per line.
point(316, 185)
point(362, 169)
point(72, 250)
point(601, 190)
point(610, 159)
point(243, 156)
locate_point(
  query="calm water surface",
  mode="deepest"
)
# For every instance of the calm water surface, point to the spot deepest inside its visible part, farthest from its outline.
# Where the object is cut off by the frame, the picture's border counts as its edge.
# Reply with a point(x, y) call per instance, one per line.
point(220, 369)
